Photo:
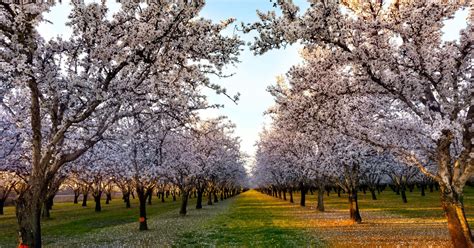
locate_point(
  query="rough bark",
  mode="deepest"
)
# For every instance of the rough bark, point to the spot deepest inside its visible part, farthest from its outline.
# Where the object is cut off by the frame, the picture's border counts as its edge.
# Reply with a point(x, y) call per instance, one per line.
point(209, 198)
point(97, 196)
point(372, 192)
point(184, 203)
point(303, 197)
point(320, 205)
point(199, 200)
point(142, 198)
point(2, 204)
point(28, 212)
point(84, 199)
point(354, 207)
point(126, 199)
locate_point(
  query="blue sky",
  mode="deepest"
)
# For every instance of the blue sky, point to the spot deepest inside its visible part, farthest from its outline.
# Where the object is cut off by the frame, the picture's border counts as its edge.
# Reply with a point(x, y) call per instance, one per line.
point(252, 76)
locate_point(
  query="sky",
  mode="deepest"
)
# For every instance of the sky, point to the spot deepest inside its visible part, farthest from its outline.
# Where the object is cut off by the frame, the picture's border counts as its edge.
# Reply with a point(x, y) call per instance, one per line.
point(252, 76)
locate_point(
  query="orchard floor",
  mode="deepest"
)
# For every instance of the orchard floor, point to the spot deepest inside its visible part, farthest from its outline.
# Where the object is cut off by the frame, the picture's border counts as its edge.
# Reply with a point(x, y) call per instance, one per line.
point(251, 219)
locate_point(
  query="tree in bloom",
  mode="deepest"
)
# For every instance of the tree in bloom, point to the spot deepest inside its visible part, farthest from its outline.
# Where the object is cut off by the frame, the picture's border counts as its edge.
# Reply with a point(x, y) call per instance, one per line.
point(66, 93)
point(380, 72)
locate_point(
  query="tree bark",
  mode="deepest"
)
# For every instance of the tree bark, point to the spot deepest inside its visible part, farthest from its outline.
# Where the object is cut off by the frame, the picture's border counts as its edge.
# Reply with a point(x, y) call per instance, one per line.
point(372, 192)
point(199, 200)
point(215, 197)
point(2, 204)
point(303, 197)
point(291, 196)
point(108, 197)
point(184, 203)
point(354, 207)
point(28, 212)
point(126, 199)
point(149, 195)
point(76, 197)
point(404, 195)
point(320, 205)
point(84, 199)
point(142, 198)
point(97, 197)
point(458, 226)
point(209, 198)
point(48, 205)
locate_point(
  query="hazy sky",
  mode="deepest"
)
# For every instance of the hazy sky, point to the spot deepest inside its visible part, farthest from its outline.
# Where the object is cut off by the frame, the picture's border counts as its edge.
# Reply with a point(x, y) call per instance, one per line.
point(252, 76)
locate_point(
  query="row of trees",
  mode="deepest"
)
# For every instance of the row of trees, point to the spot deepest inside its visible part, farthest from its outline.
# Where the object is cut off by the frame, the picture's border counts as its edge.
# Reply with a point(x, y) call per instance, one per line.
point(378, 88)
point(118, 97)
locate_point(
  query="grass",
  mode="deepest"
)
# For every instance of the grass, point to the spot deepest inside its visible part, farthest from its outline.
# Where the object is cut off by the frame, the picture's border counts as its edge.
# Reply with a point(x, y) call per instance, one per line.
point(251, 219)
point(70, 220)
point(387, 221)
point(254, 220)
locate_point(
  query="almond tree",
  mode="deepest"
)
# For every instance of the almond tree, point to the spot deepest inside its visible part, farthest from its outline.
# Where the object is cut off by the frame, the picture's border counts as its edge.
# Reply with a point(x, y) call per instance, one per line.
point(67, 92)
point(380, 72)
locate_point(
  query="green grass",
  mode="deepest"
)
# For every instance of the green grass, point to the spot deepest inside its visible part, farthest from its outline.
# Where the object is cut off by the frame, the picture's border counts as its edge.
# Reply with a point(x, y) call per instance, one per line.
point(428, 206)
point(248, 220)
point(254, 220)
point(70, 220)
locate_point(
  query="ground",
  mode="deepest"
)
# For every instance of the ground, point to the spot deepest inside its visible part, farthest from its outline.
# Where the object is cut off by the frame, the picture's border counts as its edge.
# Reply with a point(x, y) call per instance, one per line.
point(251, 219)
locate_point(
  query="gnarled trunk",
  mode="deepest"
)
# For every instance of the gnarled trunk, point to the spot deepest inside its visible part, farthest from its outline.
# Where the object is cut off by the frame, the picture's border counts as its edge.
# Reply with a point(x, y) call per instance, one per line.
point(84, 199)
point(458, 226)
point(354, 207)
point(97, 196)
point(108, 197)
point(126, 199)
point(28, 213)
point(184, 203)
point(199, 200)
point(209, 198)
point(2, 204)
point(142, 198)
point(303, 196)
point(76, 197)
point(372, 192)
point(320, 205)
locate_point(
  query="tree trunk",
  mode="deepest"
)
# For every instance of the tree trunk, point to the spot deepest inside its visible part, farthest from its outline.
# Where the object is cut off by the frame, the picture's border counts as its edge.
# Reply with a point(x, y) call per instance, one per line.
point(215, 197)
point(2, 204)
point(354, 207)
point(458, 226)
point(48, 205)
point(198, 201)
point(163, 196)
point(320, 206)
point(303, 197)
point(291, 196)
point(76, 197)
point(28, 213)
point(108, 197)
point(174, 196)
point(84, 199)
point(422, 190)
point(142, 198)
point(209, 198)
point(149, 196)
point(184, 203)
point(372, 192)
point(404, 195)
point(284, 194)
point(126, 199)
point(97, 197)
